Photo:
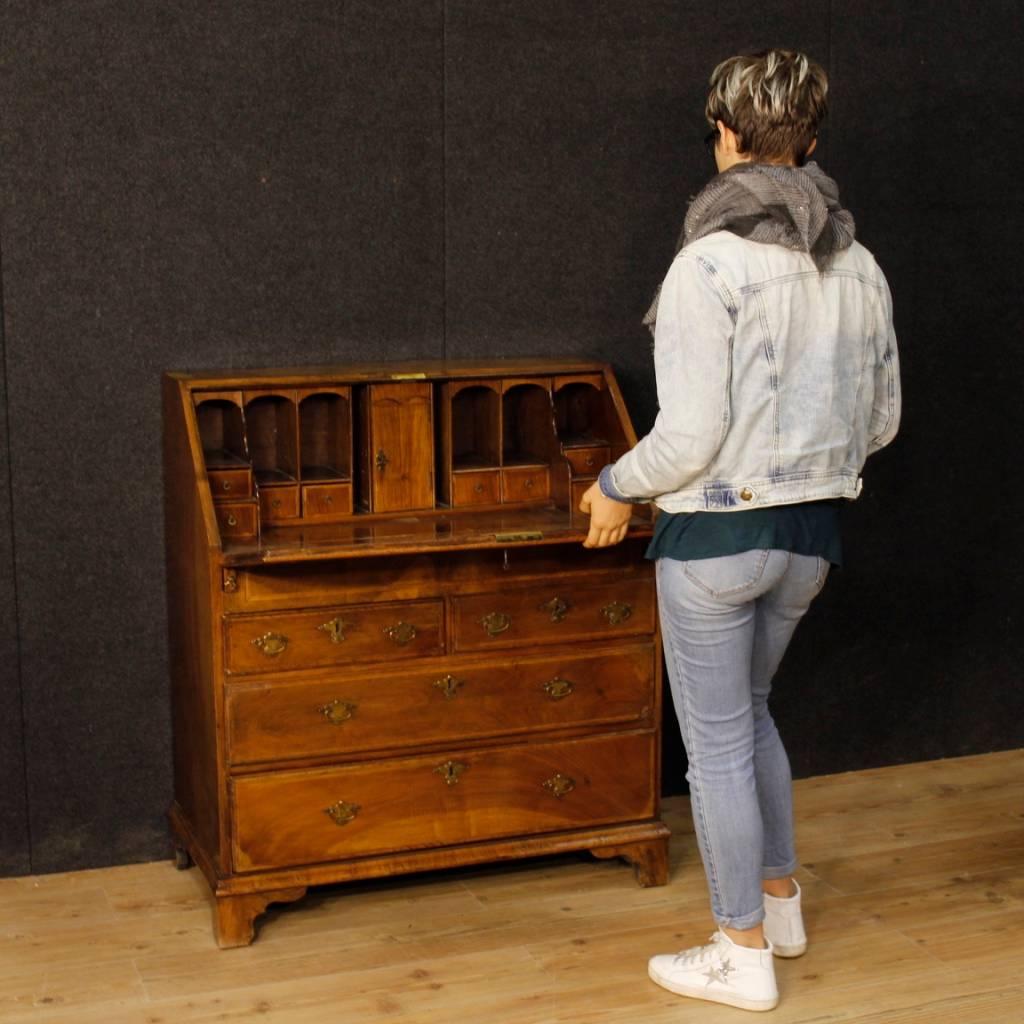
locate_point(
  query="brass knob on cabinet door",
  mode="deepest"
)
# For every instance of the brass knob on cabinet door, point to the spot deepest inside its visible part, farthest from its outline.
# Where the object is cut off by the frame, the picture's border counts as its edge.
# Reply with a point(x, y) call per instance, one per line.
point(271, 644)
point(338, 711)
point(558, 785)
point(342, 812)
point(496, 623)
point(617, 612)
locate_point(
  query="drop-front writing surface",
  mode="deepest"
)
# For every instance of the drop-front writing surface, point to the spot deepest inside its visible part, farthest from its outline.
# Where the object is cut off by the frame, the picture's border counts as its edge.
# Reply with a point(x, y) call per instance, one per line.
point(390, 651)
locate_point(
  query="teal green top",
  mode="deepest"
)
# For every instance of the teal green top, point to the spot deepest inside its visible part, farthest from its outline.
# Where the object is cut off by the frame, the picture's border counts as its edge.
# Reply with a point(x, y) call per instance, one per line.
point(809, 528)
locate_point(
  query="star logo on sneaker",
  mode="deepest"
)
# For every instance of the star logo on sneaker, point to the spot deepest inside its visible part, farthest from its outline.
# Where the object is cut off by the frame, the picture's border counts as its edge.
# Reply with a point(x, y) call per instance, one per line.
point(719, 974)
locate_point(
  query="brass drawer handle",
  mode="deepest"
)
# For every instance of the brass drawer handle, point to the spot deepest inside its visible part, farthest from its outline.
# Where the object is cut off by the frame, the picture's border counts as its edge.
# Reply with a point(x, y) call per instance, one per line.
point(617, 612)
point(381, 460)
point(556, 689)
point(401, 633)
point(450, 771)
point(232, 521)
point(449, 686)
point(338, 711)
point(342, 812)
point(335, 629)
point(557, 606)
point(226, 485)
point(496, 623)
point(559, 785)
point(275, 504)
point(271, 644)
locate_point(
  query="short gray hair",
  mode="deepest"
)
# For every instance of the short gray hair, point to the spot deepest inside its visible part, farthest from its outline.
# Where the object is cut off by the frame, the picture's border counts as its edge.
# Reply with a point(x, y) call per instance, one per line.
point(773, 100)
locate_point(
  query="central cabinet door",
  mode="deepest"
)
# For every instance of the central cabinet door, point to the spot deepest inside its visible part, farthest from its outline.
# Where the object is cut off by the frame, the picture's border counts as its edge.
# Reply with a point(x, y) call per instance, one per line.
point(398, 420)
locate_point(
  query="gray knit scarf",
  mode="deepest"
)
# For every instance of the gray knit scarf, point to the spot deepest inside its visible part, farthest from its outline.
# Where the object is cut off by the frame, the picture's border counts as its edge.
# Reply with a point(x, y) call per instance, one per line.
point(796, 207)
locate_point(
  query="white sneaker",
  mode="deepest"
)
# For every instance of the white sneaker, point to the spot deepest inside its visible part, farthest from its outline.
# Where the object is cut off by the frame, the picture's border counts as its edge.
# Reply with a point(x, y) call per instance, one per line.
point(721, 972)
point(784, 924)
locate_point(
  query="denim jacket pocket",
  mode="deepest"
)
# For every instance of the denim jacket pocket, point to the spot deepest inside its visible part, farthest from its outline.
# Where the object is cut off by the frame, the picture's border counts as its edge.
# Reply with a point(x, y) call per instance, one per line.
point(727, 575)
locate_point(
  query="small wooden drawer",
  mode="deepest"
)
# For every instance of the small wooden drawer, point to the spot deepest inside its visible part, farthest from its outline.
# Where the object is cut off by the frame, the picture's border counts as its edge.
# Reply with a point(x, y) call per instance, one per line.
point(480, 487)
point(237, 519)
point(326, 501)
point(230, 484)
point(525, 484)
point(277, 503)
point(281, 819)
point(459, 703)
point(334, 636)
point(588, 461)
point(550, 613)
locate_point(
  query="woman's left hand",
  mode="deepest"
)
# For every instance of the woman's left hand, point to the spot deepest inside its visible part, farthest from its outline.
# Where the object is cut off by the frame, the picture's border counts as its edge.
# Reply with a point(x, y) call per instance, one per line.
point(609, 519)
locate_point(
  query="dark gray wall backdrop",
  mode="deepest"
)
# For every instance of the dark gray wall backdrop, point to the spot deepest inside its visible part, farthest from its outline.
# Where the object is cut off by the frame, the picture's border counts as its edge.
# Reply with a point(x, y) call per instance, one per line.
point(189, 184)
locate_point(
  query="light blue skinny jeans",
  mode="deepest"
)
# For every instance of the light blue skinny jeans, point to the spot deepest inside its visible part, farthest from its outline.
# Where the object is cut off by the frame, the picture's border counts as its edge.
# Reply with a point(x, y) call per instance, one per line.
point(726, 623)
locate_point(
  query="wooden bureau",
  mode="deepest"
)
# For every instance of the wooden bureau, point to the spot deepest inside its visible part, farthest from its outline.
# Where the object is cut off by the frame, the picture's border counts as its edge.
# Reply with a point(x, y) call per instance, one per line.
point(390, 651)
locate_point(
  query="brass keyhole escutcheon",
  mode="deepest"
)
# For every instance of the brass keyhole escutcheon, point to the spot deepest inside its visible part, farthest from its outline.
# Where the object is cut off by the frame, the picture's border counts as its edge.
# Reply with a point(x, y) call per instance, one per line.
point(557, 606)
point(496, 623)
point(342, 812)
point(338, 711)
point(335, 629)
point(401, 633)
point(450, 771)
point(617, 612)
point(329, 499)
point(478, 488)
point(559, 784)
point(449, 686)
point(381, 460)
point(271, 644)
point(557, 689)
point(275, 504)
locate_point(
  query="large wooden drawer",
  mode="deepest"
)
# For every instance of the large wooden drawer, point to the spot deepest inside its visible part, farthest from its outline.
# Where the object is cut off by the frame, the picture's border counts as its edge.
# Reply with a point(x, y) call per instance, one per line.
point(303, 817)
point(461, 701)
point(333, 636)
point(554, 612)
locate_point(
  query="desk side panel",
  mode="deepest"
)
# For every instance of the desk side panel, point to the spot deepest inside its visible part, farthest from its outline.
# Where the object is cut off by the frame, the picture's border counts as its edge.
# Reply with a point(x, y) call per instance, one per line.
point(192, 629)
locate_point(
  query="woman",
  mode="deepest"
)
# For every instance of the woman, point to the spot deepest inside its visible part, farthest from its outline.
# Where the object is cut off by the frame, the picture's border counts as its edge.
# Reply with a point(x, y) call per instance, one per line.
point(777, 376)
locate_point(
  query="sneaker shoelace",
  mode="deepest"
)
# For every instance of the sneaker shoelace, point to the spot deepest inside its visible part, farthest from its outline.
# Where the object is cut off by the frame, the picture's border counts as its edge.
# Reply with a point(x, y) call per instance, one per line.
point(698, 954)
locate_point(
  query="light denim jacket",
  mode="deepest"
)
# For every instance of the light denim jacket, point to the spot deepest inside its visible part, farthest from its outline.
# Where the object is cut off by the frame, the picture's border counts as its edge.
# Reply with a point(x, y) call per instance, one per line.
point(775, 382)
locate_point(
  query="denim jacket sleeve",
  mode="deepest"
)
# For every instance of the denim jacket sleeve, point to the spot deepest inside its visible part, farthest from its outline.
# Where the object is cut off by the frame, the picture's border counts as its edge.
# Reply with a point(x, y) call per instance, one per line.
point(693, 341)
point(885, 413)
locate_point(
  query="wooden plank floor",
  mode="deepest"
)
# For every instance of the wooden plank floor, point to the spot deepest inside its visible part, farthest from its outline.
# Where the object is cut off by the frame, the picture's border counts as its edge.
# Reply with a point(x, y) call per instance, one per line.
point(914, 883)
